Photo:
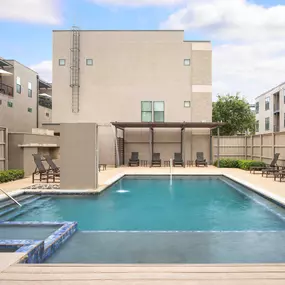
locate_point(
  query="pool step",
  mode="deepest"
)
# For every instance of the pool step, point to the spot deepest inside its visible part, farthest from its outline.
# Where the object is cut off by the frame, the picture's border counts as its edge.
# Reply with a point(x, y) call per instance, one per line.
point(14, 207)
point(20, 199)
point(28, 207)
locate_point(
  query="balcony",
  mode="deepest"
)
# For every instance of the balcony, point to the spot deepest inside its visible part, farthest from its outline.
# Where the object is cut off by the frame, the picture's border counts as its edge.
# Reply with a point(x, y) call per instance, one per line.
point(276, 128)
point(6, 89)
point(276, 108)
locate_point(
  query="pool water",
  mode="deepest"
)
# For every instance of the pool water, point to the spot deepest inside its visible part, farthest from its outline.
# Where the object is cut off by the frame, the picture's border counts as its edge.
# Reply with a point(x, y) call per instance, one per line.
point(143, 219)
point(153, 204)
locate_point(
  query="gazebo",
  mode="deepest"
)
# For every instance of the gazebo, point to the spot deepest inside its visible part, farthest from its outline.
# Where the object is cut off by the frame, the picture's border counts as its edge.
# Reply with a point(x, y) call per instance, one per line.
point(167, 125)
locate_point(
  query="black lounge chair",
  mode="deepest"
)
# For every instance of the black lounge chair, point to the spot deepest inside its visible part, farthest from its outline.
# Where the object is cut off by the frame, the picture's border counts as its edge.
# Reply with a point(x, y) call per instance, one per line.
point(178, 161)
point(44, 174)
point(200, 159)
point(51, 164)
point(40, 169)
point(279, 174)
point(156, 161)
point(272, 165)
point(134, 160)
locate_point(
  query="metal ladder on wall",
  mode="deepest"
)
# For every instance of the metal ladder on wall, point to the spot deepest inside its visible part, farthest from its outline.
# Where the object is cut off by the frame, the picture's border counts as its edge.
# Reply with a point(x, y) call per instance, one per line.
point(11, 197)
point(75, 68)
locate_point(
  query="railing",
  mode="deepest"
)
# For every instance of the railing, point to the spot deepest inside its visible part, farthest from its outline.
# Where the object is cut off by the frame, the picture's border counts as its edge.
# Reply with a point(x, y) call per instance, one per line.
point(11, 197)
point(6, 89)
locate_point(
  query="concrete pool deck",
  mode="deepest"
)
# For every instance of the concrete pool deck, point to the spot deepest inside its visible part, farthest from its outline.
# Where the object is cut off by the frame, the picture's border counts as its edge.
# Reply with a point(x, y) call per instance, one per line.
point(12, 273)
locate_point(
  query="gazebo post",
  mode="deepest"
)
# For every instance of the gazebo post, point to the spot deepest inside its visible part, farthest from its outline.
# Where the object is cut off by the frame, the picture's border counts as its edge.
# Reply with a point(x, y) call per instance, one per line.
point(123, 146)
point(218, 145)
point(116, 142)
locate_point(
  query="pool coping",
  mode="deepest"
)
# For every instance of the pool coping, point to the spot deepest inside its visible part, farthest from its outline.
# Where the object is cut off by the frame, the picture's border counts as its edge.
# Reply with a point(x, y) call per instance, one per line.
point(36, 251)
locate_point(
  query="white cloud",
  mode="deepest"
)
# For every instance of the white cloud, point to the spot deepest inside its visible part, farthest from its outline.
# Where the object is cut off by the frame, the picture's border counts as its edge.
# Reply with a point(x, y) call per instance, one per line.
point(138, 3)
point(252, 56)
point(44, 69)
point(33, 11)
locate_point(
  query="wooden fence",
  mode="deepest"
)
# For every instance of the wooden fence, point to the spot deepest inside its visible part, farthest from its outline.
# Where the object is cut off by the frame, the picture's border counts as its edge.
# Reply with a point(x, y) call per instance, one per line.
point(3, 148)
point(257, 147)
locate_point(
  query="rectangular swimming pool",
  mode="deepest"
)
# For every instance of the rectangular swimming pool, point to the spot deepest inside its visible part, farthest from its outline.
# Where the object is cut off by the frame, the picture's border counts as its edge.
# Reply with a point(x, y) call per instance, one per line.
point(147, 219)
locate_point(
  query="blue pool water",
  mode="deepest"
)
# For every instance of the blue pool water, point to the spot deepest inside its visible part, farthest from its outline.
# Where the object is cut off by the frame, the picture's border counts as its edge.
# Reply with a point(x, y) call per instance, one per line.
point(205, 219)
point(152, 204)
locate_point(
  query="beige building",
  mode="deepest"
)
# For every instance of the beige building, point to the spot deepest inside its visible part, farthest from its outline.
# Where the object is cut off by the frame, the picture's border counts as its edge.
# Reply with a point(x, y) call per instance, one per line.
point(19, 90)
point(270, 110)
point(134, 76)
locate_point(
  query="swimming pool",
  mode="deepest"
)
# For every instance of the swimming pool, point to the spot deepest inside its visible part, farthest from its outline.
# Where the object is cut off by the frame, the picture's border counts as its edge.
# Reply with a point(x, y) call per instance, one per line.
point(148, 219)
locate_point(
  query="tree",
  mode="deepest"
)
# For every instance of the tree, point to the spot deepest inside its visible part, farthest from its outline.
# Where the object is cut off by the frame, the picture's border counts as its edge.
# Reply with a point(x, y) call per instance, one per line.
point(236, 113)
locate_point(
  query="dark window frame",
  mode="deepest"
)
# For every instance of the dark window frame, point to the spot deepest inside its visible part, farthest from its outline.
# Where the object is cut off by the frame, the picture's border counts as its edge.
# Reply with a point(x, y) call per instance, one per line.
point(257, 108)
point(257, 126)
point(30, 110)
point(267, 103)
point(267, 123)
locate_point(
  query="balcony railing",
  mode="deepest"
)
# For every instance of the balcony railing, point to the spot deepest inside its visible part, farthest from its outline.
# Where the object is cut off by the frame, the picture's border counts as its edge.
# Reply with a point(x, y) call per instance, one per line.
point(6, 89)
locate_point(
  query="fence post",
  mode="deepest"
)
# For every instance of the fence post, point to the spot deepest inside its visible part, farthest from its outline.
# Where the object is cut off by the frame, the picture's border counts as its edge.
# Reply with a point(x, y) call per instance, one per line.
point(218, 150)
point(6, 138)
point(245, 145)
point(260, 148)
point(251, 147)
point(273, 144)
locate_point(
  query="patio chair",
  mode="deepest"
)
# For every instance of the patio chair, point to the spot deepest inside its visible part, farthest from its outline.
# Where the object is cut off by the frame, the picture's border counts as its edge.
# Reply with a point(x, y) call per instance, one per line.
point(134, 160)
point(40, 169)
point(54, 170)
point(156, 161)
point(51, 164)
point(200, 159)
point(273, 164)
point(279, 174)
point(178, 161)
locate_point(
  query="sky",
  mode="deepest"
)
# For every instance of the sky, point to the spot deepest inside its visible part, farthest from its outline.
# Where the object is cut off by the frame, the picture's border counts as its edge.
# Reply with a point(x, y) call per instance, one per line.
point(248, 36)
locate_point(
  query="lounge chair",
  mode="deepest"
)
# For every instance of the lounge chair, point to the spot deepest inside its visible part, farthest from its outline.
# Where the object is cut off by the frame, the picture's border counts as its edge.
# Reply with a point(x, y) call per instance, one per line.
point(279, 174)
point(178, 161)
point(53, 171)
point(273, 164)
point(156, 161)
point(200, 159)
point(51, 164)
point(40, 169)
point(134, 160)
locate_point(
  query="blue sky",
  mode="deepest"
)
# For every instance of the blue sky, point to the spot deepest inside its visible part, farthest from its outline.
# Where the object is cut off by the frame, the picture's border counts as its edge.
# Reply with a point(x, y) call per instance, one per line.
point(247, 36)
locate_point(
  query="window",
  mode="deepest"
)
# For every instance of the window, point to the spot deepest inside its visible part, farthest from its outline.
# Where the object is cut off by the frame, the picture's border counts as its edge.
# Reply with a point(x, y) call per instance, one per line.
point(30, 92)
point(158, 108)
point(47, 114)
point(89, 61)
point(257, 126)
point(146, 111)
point(284, 95)
point(256, 107)
point(18, 85)
point(267, 124)
point(187, 62)
point(0, 102)
point(10, 104)
point(267, 103)
point(61, 62)
point(30, 110)
point(187, 104)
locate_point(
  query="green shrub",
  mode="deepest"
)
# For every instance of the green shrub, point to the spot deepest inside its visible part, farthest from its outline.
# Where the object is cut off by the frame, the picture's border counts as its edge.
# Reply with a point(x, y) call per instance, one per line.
point(11, 175)
point(247, 164)
point(227, 163)
point(238, 163)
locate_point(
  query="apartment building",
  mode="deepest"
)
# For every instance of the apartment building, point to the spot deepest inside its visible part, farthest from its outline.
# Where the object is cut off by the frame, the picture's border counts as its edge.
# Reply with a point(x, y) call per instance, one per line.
point(134, 76)
point(19, 92)
point(270, 110)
